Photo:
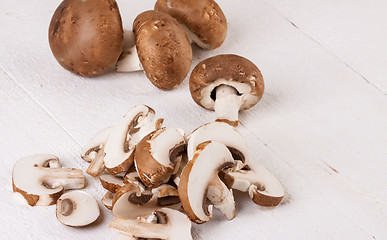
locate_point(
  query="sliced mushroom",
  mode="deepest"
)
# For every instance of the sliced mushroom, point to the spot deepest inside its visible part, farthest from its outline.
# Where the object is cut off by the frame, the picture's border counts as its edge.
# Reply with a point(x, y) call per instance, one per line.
point(41, 180)
point(120, 145)
point(107, 200)
point(156, 155)
point(220, 132)
point(163, 223)
point(163, 50)
point(86, 36)
point(77, 209)
point(131, 200)
point(200, 181)
point(111, 183)
point(263, 187)
point(227, 84)
point(202, 20)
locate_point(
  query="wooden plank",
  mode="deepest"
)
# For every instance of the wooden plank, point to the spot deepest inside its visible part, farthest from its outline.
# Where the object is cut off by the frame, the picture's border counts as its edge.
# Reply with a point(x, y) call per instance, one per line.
point(313, 112)
point(353, 31)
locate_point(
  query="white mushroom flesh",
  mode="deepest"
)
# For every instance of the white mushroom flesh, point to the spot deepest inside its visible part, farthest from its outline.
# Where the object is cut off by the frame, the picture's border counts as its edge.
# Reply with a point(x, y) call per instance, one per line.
point(169, 224)
point(94, 145)
point(221, 132)
point(227, 103)
point(77, 208)
point(164, 142)
point(111, 182)
point(41, 177)
point(129, 61)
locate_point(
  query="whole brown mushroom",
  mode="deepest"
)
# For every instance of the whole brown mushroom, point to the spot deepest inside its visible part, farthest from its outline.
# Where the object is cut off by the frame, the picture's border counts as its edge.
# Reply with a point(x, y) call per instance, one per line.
point(226, 83)
point(203, 20)
point(163, 50)
point(86, 36)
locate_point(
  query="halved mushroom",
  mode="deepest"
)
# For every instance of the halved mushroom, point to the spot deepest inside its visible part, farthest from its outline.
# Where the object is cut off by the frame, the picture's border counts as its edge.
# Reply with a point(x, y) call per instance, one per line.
point(163, 223)
point(41, 180)
point(263, 187)
point(107, 200)
point(227, 84)
point(163, 50)
point(120, 145)
point(130, 200)
point(77, 209)
point(200, 181)
point(111, 183)
point(202, 20)
point(156, 155)
point(220, 132)
point(86, 36)
point(93, 152)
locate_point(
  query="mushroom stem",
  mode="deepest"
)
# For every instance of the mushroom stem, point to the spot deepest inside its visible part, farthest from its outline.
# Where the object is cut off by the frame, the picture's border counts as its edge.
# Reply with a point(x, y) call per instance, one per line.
point(129, 61)
point(227, 105)
point(139, 229)
point(97, 166)
point(222, 198)
point(69, 178)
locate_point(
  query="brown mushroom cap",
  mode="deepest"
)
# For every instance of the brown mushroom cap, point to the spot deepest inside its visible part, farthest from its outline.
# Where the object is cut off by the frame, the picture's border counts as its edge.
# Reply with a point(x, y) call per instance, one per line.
point(204, 18)
point(86, 37)
point(227, 69)
point(163, 49)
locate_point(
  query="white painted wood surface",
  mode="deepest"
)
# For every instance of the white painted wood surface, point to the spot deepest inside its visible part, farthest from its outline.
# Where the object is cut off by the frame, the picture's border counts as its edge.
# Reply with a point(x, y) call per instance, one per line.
point(321, 126)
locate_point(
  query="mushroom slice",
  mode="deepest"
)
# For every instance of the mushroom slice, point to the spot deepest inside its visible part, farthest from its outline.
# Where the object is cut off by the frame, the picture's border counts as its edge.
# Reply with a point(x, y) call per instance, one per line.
point(41, 180)
point(131, 201)
point(77, 209)
point(263, 187)
point(220, 132)
point(93, 152)
point(226, 83)
point(163, 223)
point(120, 145)
point(163, 49)
point(200, 180)
point(107, 200)
point(202, 20)
point(111, 183)
point(156, 155)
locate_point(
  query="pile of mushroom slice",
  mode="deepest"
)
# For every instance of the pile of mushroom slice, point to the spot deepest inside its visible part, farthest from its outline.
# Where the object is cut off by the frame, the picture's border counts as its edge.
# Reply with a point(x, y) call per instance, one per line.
point(41, 181)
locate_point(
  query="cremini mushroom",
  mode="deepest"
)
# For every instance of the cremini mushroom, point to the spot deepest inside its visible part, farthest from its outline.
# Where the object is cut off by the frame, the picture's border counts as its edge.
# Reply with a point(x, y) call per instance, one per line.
point(93, 152)
point(110, 182)
point(199, 181)
point(163, 50)
point(120, 145)
point(107, 200)
point(131, 201)
point(263, 187)
point(77, 209)
point(227, 84)
point(163, 223)
point(156, 156)
point(221, 132)
point(41, 180)
point(86, 36)
point(202, 20)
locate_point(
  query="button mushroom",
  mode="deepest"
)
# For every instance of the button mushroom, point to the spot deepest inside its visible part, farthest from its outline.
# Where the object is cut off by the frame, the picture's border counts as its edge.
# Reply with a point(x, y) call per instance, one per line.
point(93, 152)
point(156, 155)
point(200, 181)
point(120, 145)
point(163, 223)
point(263, 187)
point(163, 49)
point(221, 132)
point(131, 201)
point(86, 36)
point(203, 20)
point(77, 209)
point(226, 83)
point(41, 180)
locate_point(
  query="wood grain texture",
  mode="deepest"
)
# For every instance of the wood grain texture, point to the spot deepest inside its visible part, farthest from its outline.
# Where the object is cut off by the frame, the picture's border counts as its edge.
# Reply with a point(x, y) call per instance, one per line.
point(320, 127)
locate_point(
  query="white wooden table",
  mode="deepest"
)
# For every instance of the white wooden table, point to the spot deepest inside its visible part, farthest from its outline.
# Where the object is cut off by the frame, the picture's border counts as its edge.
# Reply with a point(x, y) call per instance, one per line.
point(321, 126)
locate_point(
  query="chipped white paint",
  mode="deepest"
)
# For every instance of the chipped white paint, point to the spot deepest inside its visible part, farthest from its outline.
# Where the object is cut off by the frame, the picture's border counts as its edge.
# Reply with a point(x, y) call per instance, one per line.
point(320, 127)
